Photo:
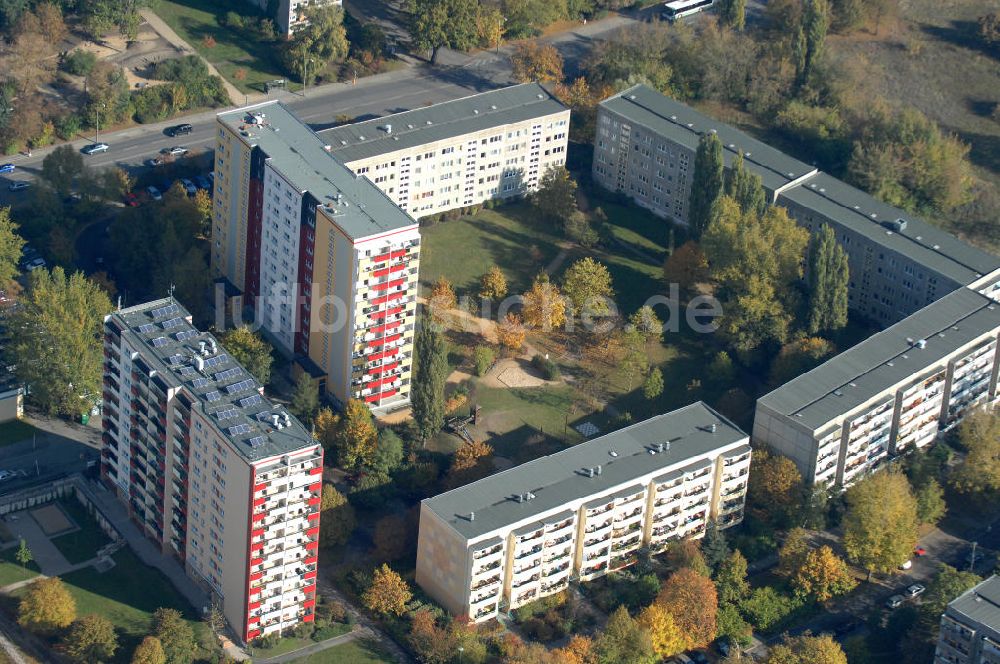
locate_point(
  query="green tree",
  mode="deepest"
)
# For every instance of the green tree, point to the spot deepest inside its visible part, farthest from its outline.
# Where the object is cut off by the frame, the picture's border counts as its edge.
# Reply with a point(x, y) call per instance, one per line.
point(587, 286)
point(714, 546)
point(799, 356)
point(815, 24)
point(483, 357)
point(721, 370)
point(23, 554)
point(793, 552)
point(175, 635)
point(733, 13)
point(930, 502)
point(979, 433)
point(429, 375)
point(624, 641)
point(731, 579)
point(90, 640)
point(10, 248)
point(635, 361)
point(61, 168)
point(336, 517)
point(321, 41)
point(249, 349)
point(744, 186)
point(356, 438)
point(54, 346)
point(989, 28)
point(646, 321)
point(880, 525)
point(47, 607)
point(847, 15)
point(706, 183)
point(389, 452)
point(828, 279)
point(150, 651)
point(305, 398)
point(653, 385)
point(442, 23)
point(555, 198)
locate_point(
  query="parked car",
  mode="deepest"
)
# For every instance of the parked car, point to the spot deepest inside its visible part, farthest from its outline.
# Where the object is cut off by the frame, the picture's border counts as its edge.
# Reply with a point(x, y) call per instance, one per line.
point(7, 168)
point(6, 475)
point(894, 602)
point(189, 186)
point(154, 193)
point(914, 590)
point(35, 264)
point(920, 552)
point(153, 163)
point(20, 185)
point(180, 130)
point(94, 148)
point(131, 200)
point(175, 151)
point(907, 565)
point(202, 182)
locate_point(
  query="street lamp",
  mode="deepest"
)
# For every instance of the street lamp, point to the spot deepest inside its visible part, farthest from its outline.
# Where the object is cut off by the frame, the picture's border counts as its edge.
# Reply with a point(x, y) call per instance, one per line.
point(460, 651)
point(305, 72)
point(97, 112)
point(500, 21)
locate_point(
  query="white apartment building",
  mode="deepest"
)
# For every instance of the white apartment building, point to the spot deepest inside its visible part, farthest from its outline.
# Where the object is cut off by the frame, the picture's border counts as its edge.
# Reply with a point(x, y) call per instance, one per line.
point(889, 394)
point(291, 14)
point(492, 145)
point(645, 148)
point(522, 534)
point(327, 261)
point(970, 627)
point(211, 471)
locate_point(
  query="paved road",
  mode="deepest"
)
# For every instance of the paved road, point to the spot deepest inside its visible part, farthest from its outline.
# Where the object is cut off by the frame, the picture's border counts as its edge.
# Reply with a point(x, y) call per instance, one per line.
point(60, 449)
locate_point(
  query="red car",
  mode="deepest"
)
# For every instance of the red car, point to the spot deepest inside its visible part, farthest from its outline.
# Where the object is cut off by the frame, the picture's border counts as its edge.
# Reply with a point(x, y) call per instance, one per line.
point(920, 551)
point(130, 200)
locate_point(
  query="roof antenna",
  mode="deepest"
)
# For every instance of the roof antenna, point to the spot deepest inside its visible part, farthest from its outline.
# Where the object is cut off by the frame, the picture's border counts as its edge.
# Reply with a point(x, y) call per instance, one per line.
point(170, 292)
point(119, 303)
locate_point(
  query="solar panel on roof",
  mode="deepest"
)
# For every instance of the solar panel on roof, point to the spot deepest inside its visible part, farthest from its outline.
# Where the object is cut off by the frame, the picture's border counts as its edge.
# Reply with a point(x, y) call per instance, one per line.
point(168, 310)
point(217, 360)
point(200, 381)
point(176, 360)
point(241, 386)
point(251, 400)
point(172, 323)
point(187, 371)
point(213, 396)
point(263, 415)
point(239, 429)
point(228, 374)
point(146, 328)
point(257, 441)
point(184, 335)
point(159, 342)
point(227, 413)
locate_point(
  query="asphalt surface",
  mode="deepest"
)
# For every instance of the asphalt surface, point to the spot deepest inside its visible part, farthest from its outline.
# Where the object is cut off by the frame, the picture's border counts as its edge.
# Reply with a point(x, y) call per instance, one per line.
point(60, 448)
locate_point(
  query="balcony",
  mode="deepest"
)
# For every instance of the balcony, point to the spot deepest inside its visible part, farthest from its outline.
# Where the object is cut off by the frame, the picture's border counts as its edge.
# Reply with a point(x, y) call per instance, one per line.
point(528, 553)
point(486, 582)
point(597, 528)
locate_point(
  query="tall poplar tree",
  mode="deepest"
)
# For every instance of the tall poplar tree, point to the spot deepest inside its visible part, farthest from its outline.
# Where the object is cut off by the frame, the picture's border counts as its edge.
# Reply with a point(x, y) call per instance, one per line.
point(828, 280)
point(746, 188)
point(429, 374)
point(707, 183)
point(815, 25)
point(734, 13)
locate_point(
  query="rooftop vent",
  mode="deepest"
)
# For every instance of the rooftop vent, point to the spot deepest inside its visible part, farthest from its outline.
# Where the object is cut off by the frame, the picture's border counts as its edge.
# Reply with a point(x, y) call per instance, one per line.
point(746, 155)
point(731, 146)
point(387, 129)
point(673, 117)
point(662, 447)
point(597, 470)
point(493, 107)
point(429, 122)
point(690, 125)
point(409, 126)
point(613, 453)
point(712, 427)
point(712, 131)
point(472, 516)
point(921, 343)
point(838, 393)
point(632, 97)
point(898, 225)
point(475, 111)
point(361, 138)
point(541, 96)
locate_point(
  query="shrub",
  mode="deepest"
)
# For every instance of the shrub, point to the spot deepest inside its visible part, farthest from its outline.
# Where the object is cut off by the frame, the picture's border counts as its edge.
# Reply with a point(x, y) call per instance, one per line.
point(548, 368)
point(233, 20)
point(267, 641)
point(68, 126)
point(329, 632)
point(767, 608)
point(304, 630)
point(483, 357)
point(79, 62)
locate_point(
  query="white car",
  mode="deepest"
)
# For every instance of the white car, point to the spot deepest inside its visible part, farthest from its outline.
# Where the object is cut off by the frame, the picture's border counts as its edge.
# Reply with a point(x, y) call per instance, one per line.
point(907, 565)
point(895, 602)
point(154, 193)
point(94, 148)
point(914, 590)
point(176, 151)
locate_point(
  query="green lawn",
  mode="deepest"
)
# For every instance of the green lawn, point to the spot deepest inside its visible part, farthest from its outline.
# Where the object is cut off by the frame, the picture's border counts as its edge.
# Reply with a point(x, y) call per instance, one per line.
point(81, 545)
point(290, 643)
point(127, 595)
point(463, 249)
point(11, 570)
point(194, 20)
point(353, 652)
point(15, 431)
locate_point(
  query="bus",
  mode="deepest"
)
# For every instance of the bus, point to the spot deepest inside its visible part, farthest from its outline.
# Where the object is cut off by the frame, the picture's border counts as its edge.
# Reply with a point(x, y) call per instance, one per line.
point(680, 8)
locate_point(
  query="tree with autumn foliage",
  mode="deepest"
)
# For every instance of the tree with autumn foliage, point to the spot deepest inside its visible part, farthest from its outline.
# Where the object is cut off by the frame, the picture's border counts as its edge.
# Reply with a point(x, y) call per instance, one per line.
point(668, 640)
point(822, 575)
point(582, 99)
point(793, 551)
point(249, 349)
point(731, 579)
point(511, 333)
point(685, 553)
point(880, 525)
point(588, 288)
point(493, 284)
point(356, 437)
point(544, 306)
point(533, 62)
point(775, 489)
point(807, 649)
point(47, 607)
point(686, 266)
point(325, 426)
point(624, 641)
point(979, 474)
point(472, 461)
point(150, 651)
point(90, 640)
point(693, 602)
point(442, 297)
point(579, 650)
point(388, 592)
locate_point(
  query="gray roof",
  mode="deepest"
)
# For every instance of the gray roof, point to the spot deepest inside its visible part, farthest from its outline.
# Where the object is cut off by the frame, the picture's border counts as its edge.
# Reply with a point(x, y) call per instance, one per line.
point(921, 242)
point(303, 157)
point(161, 329)
point(980, 604)
point(422, 126)
point(886, 359)
point(682, 124)
point(561, 478)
